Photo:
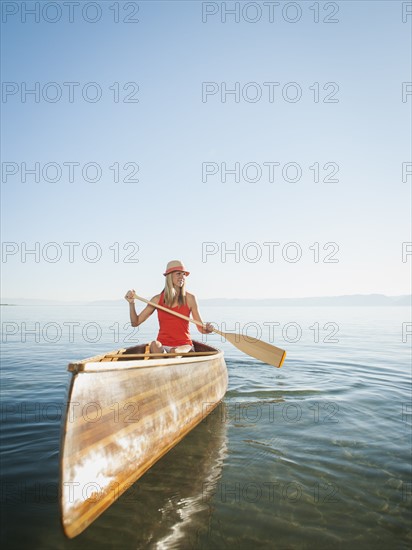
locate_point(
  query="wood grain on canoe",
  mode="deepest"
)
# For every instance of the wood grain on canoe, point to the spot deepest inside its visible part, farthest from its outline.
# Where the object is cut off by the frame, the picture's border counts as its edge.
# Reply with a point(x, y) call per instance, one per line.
point(121, 421)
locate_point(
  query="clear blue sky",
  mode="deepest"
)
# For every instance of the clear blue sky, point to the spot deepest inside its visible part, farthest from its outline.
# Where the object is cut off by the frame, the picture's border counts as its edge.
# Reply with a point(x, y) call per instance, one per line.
point(172, 211)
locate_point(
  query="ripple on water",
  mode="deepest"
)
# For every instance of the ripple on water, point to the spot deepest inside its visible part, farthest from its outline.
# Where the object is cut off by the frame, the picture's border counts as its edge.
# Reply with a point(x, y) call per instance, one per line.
point(324, 443)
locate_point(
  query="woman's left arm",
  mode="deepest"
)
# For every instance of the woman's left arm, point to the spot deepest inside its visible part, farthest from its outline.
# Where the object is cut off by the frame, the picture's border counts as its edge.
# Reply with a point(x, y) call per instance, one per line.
point(207, 328)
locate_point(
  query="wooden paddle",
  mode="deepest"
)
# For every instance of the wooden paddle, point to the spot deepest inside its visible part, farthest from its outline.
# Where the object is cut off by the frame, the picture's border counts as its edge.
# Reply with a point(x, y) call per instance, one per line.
point(251, 346)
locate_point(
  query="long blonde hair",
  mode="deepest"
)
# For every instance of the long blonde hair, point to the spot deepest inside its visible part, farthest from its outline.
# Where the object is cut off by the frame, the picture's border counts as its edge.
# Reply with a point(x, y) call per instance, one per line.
point(170, 292)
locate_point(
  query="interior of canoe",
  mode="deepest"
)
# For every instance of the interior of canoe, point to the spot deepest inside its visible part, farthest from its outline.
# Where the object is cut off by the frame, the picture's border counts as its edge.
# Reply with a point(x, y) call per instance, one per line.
point(141, 352)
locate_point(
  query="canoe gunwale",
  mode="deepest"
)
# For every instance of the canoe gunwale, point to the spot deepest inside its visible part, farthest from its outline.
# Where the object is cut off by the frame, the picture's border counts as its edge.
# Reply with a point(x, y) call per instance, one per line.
point(98, 364)
point(101, 366)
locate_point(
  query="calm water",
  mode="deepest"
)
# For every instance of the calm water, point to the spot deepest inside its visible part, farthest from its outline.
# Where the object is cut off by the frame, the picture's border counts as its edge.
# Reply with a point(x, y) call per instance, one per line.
point(316, 454)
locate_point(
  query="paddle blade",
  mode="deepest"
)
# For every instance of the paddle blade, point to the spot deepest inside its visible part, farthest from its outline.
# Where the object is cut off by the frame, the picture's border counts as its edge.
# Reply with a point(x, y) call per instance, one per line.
point(257, 348)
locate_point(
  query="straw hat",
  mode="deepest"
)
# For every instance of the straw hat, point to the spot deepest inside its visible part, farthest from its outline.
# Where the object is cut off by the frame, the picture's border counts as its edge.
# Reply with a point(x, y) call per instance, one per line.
point(175, 265)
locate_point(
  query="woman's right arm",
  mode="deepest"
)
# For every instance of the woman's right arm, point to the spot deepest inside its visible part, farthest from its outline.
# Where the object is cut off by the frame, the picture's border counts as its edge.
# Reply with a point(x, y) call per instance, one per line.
point(136, 320)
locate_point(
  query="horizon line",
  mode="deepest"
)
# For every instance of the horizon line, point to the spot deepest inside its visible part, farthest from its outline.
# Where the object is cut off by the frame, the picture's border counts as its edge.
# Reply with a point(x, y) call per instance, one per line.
point(9, 301)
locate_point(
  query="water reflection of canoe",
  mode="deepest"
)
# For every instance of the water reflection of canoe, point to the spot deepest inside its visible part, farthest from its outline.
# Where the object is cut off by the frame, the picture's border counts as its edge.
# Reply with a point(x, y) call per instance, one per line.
point(123, 414)
point(172, 505)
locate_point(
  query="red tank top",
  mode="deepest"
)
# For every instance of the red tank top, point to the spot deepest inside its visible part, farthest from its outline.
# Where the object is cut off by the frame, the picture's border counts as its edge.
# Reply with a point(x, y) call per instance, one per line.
point(173, 331)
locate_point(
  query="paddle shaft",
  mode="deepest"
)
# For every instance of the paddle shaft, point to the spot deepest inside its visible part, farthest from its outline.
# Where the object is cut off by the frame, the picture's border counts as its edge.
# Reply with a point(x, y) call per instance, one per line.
point(174, 313)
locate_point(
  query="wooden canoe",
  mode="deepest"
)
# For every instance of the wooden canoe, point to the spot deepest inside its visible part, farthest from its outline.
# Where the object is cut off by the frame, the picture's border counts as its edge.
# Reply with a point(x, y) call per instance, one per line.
point(124, 412)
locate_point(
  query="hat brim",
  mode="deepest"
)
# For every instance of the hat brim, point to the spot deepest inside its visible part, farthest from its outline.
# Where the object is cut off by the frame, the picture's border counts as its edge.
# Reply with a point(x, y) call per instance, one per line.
point(173, 269)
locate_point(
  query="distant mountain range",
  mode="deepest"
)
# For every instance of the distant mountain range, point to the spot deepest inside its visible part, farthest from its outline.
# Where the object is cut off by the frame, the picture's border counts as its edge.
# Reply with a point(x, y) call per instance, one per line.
point(360, 300)
point(349, 300)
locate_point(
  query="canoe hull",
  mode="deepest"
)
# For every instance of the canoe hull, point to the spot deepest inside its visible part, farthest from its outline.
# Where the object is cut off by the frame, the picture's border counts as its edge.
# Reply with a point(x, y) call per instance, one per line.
point(122, 419)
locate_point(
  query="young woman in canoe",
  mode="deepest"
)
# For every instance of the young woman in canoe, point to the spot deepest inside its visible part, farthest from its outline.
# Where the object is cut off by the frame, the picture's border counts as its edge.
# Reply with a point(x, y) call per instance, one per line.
point(174, 334)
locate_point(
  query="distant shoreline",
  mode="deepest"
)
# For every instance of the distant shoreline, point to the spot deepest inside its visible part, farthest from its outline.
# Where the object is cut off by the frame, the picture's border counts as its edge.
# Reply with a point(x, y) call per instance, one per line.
point(353, 300)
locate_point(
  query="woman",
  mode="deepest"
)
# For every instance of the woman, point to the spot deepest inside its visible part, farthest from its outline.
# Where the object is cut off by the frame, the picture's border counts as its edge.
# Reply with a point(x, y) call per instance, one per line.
point(174, 333)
